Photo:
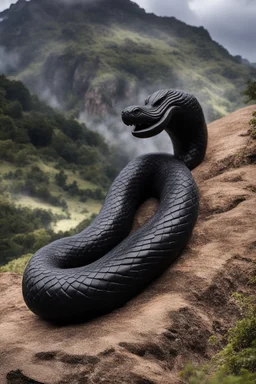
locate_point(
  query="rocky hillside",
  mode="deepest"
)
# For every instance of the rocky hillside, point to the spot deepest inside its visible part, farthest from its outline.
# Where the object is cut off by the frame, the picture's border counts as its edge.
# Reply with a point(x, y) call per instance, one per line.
point(150, 339)
point(91, 55)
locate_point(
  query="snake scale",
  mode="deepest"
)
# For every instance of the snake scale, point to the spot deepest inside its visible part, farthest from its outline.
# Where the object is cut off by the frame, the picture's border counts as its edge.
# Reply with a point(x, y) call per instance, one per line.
point(105, 265)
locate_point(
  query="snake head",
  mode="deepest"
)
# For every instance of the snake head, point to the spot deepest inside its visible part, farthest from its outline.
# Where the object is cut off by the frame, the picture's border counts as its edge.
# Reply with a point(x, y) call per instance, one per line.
point(152, 118)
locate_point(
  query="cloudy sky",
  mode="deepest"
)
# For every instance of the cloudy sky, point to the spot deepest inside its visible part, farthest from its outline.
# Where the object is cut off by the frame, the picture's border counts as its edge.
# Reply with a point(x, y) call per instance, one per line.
point(230, 22)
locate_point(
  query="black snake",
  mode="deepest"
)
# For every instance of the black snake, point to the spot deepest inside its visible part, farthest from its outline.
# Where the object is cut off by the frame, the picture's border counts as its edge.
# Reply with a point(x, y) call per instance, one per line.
point(105, 265)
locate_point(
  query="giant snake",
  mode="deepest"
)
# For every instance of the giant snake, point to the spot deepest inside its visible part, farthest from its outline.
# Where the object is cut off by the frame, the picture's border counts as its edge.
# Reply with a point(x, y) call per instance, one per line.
point(104, 266)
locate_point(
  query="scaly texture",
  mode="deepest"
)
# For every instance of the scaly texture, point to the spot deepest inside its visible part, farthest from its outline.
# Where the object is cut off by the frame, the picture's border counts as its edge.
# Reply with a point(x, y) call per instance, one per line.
point(104, 266)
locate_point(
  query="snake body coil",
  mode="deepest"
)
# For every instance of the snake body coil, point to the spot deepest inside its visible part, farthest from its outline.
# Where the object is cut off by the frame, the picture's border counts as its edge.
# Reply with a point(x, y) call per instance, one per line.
point(104, 266)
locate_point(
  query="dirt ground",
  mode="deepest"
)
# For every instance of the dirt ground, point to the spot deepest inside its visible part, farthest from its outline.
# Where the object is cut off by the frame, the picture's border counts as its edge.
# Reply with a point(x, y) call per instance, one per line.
point(151, 338)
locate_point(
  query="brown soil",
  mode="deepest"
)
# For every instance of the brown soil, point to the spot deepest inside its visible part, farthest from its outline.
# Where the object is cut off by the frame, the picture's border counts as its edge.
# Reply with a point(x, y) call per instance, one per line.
point(150, 339)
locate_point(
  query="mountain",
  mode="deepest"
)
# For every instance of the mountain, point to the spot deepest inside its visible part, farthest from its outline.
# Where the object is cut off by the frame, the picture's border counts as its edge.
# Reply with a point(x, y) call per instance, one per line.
point(92, 56)
point(182, 317)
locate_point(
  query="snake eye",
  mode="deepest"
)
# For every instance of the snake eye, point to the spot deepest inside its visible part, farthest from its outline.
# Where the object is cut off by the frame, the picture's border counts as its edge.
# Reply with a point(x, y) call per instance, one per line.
point(136, 111)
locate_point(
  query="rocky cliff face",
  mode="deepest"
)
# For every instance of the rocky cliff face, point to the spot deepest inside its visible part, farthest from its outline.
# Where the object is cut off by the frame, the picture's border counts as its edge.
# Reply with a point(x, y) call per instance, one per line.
point(154, 335)
point(101, 99)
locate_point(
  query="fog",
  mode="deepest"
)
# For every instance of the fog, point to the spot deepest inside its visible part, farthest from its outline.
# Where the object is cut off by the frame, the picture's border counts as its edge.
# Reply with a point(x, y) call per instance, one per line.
point(117, 133)
point(8, 60)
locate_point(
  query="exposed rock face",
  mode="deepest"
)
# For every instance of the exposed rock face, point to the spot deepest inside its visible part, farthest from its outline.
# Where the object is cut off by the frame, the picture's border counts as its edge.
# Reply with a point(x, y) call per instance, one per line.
point(151, 338)
point(75, 75)
point(101, 99)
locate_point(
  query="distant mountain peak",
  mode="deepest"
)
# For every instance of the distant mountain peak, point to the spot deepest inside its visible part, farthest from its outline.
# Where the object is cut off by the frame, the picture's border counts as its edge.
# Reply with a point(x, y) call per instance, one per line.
point(107, 10)
point(125, 5)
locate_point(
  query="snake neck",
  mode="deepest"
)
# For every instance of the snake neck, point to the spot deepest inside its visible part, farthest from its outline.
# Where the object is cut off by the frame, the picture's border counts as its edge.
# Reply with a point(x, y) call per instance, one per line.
point(187, 130)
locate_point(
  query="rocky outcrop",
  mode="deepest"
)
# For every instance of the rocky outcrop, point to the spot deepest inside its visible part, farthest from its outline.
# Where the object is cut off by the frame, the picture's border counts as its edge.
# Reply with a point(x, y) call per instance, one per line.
point(153, 336)
point(70, 77)
point(101, 99)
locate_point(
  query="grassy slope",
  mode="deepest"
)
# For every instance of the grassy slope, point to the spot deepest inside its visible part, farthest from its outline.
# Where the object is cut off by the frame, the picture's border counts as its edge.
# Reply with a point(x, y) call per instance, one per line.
point(77, 211)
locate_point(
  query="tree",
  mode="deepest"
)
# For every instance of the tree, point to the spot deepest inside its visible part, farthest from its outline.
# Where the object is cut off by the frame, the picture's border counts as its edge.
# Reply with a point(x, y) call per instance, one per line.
point(40, 130)
point(37, 175)
point(61, 179)
point(16, 90)
point(2, 98)
point(88, 155)
point(72, 129)
point(7, 128)
point(14, 109)
point(73, 189)
point(250, 91)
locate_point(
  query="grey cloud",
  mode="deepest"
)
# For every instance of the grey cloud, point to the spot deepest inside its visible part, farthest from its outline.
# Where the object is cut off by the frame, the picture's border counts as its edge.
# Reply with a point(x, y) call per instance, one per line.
point(231, 22)
point(8, 60)
point(46, 95)
point(6, 4)
point(238, 40)
point(177, 8)
point(117, 133)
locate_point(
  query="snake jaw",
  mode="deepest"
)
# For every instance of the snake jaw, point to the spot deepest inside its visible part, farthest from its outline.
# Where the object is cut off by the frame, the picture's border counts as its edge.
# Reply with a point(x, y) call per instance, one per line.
point(140, 127)
point(143, 131)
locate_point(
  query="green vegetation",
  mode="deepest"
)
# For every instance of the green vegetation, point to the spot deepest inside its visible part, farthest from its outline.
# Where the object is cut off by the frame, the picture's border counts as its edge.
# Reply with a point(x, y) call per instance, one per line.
point(30, 130)
point(253, 126)
point(23, 231)
point(74, 190)
point(17, 265)
point(250, 94)
point(236, 363)
point(250, 91)
point(57, 164)
point(31, 241)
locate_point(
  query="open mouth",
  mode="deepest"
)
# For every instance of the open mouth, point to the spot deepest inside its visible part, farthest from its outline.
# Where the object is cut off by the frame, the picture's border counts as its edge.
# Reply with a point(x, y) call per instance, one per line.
point(144, 131)
point(140, 127)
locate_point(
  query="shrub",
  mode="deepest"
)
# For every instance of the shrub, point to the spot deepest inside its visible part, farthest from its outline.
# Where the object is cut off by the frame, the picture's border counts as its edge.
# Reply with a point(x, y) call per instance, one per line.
point(14, 109)
point(253, 126)
point(36, 174)
point(61, 179)
point(236, 363)
point(88, 155)
point(250, 91)
point(72, 189)
point(40, 131)
point(25, 156)
point(18, 265)
point(7, 128)
point(16, 90)
point(72, 129)
point(7, 150)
